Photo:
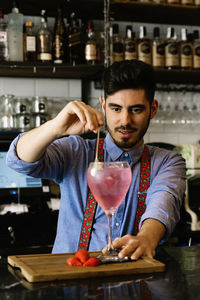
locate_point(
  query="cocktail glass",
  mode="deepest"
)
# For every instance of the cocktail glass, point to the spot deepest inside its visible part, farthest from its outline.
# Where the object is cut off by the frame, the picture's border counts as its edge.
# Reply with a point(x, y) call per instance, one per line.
point(109, 183)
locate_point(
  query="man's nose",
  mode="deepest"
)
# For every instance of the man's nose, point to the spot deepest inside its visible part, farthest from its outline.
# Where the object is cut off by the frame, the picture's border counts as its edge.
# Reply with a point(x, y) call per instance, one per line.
point(126, 117)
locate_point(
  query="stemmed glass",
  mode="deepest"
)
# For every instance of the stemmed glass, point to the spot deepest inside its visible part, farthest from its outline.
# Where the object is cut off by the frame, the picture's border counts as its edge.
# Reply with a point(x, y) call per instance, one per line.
point(109, 183)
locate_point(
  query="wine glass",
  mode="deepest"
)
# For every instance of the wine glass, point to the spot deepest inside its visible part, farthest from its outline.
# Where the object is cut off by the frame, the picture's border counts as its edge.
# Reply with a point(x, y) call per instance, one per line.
point(109, 183)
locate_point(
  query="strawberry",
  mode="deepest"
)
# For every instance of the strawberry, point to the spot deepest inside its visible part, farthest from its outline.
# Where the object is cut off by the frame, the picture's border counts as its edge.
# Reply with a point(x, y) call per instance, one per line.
point(82, 255)
point(74, 261)
point(91, 262)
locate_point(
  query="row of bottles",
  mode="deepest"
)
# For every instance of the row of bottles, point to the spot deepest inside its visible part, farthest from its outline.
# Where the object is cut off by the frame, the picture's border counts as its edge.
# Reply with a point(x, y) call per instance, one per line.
point(169, 53)
point(72, 43)
point(181, 2)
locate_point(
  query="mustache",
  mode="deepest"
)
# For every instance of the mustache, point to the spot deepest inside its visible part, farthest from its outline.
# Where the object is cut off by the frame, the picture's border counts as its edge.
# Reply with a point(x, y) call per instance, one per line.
point(125, 127)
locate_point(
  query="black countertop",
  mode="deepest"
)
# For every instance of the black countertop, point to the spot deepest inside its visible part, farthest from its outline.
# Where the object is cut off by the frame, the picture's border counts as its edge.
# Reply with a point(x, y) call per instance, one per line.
point(181, 280)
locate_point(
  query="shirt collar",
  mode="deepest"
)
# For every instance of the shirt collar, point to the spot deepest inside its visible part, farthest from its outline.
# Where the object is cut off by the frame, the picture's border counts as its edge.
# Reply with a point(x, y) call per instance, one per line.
point(115, 152)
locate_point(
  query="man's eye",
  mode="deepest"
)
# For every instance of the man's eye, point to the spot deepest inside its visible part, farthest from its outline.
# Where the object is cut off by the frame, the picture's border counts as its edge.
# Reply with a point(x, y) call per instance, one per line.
point(137, 110)
point(115, 108)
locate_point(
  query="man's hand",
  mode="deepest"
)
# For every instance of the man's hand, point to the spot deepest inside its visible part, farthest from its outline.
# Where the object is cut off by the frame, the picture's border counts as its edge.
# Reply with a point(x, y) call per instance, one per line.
point(77, 118)
point(144, 244)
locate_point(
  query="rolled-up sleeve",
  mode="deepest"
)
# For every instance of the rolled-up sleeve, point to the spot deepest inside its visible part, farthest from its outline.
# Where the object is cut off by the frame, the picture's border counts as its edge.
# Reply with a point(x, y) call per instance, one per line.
point(166, 192)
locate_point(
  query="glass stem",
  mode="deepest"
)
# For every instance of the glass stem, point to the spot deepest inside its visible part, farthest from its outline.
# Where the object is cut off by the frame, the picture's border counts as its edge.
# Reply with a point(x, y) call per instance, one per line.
point(109, 218)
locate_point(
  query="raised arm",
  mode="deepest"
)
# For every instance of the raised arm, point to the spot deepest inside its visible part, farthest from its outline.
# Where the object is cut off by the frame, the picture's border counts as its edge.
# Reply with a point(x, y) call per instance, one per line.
point(75, 118)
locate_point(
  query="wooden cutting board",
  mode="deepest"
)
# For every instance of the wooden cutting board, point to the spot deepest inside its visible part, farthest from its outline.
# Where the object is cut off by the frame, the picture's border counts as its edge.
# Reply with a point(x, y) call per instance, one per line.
point(50, 267)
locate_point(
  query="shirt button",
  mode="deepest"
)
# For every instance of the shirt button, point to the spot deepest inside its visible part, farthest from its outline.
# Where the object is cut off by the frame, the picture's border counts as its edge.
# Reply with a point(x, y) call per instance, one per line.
point(117, 224)
point(126, 154)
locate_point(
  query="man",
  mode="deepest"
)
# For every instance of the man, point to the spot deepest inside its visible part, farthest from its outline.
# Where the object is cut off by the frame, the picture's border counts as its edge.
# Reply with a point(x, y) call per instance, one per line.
point(128, 106)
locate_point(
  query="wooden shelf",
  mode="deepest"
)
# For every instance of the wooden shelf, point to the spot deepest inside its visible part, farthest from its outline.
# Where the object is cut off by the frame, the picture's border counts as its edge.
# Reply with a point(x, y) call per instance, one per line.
point(120, 10)
point(127, 10)
point(85, 9)
point(87, 72)
point(50, 70)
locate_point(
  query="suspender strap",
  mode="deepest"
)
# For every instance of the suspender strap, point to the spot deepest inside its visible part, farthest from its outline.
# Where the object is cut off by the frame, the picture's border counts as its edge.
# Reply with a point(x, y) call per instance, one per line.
point(144, 185)
point(90, 210)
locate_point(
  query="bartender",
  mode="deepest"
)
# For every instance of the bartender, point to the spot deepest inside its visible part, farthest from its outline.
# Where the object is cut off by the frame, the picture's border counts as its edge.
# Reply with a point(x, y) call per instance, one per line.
point(56, 151)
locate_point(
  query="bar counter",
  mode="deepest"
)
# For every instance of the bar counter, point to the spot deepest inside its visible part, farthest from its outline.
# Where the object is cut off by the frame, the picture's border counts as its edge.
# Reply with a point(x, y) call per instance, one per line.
point(181, 280)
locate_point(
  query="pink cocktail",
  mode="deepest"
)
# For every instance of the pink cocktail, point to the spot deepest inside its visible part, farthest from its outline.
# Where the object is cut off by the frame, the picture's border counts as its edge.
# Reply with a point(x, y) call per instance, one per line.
point(109, 183)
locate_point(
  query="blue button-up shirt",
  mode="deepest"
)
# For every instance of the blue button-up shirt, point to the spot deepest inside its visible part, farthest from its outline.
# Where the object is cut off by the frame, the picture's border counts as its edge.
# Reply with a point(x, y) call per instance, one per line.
point(66, 161)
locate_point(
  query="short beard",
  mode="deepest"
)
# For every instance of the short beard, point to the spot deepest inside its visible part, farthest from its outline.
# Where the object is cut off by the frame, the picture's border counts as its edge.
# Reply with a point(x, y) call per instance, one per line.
point(124, 144)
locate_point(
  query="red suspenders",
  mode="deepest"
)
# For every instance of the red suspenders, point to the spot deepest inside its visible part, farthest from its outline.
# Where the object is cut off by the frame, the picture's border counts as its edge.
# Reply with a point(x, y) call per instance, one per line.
point(91, 202)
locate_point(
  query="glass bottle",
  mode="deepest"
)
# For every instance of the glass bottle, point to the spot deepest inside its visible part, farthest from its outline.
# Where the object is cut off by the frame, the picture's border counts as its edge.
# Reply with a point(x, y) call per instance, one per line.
point(196, 50)
point(171, 50)
point(158, 49)
point(44, 40)
point(29, 43)
point(75, 46)
point(130, 44)
point(91, 45)
point(144, 46)
point(59, 38)
point(15, 34)
point(118, 47)
point(185, 51)
point(3, 38)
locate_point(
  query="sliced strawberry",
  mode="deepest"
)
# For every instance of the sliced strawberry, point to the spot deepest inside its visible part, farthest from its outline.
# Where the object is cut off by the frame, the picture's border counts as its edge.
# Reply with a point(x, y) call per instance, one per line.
point(74, 261)
point(82, 255)
point(92, 262)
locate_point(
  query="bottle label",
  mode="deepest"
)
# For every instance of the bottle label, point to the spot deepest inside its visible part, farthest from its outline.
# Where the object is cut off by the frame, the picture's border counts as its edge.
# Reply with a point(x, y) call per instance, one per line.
point(3, 36)
point(196, 57)
point(130, 51)
point(158, 55)
point(171, 55)
point(91, 52)
point(118, 52)
point(190, 2)
point(144, 52)
point(186, 56)
point(44, 56)
point(58, 47)
point(30, 43)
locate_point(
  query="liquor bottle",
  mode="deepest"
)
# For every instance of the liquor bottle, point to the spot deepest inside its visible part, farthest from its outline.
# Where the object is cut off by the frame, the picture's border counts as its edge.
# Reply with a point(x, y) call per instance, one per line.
point(158, 49)
point(91, 45)
point(144, 46)
point(15, 34)
point(130, 44)
point(196, 50)
point(44, 40)
point(171, 50)
point(75, 46)
point(118, 47)
point(185, 51)
point(3, 38)
point(29, 43)
point(59, 39)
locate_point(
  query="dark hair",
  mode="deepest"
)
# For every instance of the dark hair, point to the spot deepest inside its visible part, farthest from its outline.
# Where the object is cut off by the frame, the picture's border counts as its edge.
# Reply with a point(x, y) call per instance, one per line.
point(129, 74)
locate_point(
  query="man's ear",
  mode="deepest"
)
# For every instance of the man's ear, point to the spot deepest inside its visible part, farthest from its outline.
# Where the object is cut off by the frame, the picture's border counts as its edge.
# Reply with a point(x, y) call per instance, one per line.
point(154, 108)
point(103, 104)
